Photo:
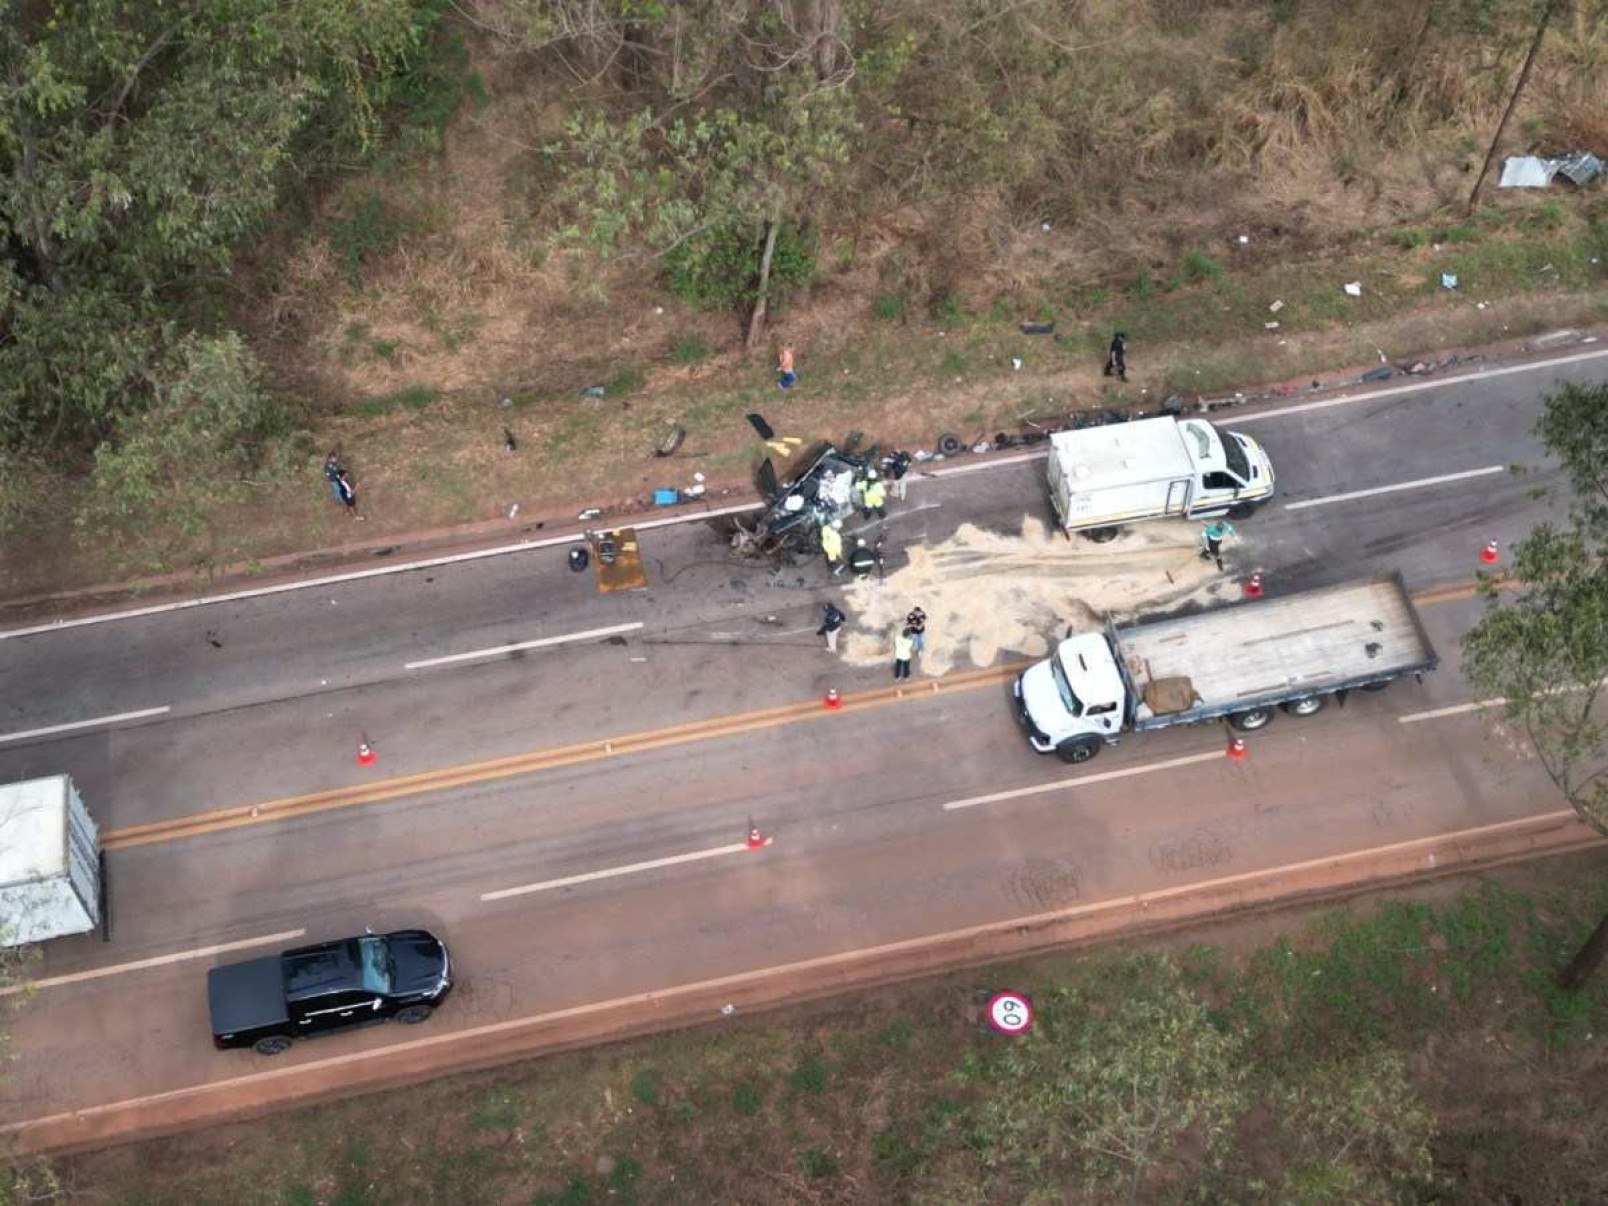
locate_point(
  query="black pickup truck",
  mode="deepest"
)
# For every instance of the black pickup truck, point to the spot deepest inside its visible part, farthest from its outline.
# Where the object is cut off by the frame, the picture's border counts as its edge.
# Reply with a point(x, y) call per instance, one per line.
point(270, 1002)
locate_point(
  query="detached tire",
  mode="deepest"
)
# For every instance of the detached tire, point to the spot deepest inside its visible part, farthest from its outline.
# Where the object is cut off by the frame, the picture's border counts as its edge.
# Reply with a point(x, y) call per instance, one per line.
point(949, 444)
point(1079, 749)
point(414, 1014)
point(1101, 535)
point(1252, 719)
point(274, 1044)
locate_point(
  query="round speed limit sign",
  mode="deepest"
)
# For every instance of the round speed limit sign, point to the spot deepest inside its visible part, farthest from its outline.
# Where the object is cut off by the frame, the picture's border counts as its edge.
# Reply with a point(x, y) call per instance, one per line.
point(1010, 1013)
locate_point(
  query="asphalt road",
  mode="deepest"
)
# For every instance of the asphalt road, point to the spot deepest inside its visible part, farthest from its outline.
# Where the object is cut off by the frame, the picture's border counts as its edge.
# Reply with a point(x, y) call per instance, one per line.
point(882, 819)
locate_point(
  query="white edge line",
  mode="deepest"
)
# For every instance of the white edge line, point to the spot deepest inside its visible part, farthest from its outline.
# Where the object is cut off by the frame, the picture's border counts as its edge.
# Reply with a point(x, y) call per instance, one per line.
point(539, 643)
point(73, 726)
point(1418, 387)
point(1063, 784)
point(612, 872)
point(1392, 489)
point(697, 517)
point(673, 992)
point(201, 952)
point(380, 571)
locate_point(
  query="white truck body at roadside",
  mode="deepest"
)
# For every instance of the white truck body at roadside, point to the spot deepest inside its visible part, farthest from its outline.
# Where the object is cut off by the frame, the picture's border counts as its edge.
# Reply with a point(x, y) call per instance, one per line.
point(1102, 477)
point(49, 862)
point(1238, 661)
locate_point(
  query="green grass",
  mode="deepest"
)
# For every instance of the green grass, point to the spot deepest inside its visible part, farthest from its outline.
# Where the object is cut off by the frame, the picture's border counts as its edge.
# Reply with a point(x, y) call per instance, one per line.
point(890, 307)
point(689, 349)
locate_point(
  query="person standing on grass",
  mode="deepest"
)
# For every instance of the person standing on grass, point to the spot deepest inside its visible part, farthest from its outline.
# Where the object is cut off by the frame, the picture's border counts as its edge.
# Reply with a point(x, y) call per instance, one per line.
point(832, 621)
point(786, 378)
point(1116, 364)
point(916, 626)
point(903, 649)
point(1212, 538)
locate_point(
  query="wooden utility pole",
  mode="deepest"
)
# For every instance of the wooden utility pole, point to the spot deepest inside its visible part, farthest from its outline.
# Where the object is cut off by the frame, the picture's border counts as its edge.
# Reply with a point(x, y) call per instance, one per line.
point(1513, 101)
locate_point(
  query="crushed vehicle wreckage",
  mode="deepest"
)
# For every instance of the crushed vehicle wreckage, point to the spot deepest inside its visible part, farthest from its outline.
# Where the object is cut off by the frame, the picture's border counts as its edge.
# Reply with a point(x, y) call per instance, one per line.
point(798, 507)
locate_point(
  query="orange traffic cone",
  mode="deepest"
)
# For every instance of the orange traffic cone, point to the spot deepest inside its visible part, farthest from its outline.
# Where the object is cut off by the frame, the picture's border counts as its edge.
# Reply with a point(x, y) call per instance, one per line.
point(1253, 588)
point(1489, 554)
point(1236, 748)
point(833, 699)
point(757, 840)
point(365, 754)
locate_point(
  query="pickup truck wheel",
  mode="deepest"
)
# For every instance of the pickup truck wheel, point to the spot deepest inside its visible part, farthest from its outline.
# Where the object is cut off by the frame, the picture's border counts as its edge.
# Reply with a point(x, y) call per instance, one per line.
point(1242, 510)
point(1251, 720)
point(272, 1045)
point(1079, 749)
point(1307, 705)
point(1102, 535)
point(412, 1015)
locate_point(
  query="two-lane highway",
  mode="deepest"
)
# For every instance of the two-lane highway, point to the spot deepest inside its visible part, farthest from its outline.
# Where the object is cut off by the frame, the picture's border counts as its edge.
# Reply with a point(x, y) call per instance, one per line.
point(564, 881)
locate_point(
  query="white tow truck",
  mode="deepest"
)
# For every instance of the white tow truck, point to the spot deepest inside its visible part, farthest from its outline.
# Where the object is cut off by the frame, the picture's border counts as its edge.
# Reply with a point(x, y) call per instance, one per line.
point(1104, 477)
point(1242, 662)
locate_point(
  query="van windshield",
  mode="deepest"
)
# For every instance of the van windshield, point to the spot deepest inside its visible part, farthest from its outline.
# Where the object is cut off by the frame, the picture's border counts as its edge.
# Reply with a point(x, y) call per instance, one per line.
point(1238, 463)
point(1063, 684)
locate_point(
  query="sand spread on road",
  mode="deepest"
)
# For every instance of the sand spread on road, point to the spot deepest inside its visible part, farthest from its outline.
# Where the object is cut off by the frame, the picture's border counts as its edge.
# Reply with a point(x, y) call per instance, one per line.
point(984, 592)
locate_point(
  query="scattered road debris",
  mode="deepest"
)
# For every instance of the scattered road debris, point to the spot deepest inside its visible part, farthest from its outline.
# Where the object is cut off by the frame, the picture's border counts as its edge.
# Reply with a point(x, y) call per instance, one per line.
point(1532, 171)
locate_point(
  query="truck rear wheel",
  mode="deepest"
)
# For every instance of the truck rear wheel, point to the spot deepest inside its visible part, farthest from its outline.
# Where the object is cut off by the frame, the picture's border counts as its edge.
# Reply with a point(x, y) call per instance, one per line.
point(1101, 535)
point(272, 1045)
point(1251, 719)
point(1307, 705)
point(1079, 749)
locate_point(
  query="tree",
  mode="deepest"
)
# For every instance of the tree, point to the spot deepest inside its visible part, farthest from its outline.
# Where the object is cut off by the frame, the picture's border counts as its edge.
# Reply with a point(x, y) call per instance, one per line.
point(1115, 1075)
point(139, 143)
point(191, 449)
point(748, 117)
point(1544, 651)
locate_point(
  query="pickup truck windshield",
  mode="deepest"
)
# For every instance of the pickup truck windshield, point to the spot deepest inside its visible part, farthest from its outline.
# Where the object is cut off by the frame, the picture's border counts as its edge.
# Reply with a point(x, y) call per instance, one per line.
point(1238, 463)
point(1069, 697)
point(374, 960)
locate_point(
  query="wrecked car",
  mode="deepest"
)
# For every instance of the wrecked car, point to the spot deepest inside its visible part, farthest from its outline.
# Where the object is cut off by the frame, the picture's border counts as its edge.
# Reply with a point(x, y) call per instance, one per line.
point(798, 506)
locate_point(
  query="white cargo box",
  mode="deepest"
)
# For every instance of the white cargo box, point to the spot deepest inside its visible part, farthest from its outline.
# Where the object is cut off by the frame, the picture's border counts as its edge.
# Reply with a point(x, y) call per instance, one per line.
point(1125, 471)
point(49, 862)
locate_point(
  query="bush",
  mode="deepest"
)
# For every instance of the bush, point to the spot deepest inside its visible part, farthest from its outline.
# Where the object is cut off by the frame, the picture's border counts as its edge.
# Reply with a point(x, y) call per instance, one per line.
point(1198, 267)
point(720, 269)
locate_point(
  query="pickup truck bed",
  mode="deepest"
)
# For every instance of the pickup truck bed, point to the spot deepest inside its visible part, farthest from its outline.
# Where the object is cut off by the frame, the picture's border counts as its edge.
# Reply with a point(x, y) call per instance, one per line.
point(247, 996)
point(1268, 651)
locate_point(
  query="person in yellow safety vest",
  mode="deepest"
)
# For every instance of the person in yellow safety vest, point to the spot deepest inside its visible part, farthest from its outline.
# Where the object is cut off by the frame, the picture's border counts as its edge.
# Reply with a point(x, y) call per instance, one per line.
point(874, 497)
point(832, 544)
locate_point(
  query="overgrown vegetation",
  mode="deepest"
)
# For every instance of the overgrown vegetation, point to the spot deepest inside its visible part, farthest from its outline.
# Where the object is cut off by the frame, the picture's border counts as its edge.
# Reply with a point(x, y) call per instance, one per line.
point(484, 189)
point(1412, 1052)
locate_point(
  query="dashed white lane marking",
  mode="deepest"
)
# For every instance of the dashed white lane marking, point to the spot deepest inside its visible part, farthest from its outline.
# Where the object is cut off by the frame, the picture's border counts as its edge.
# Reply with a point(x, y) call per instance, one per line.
point(74, 726)
point(1413, 485)
point(117, 969)
point(1454, 710)
point(1081, 780)
point(611, 872)
point(539, 643)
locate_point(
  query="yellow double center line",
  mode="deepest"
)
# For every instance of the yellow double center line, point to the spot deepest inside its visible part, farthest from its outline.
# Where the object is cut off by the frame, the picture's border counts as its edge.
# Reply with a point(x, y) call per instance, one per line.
point(404, 786)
